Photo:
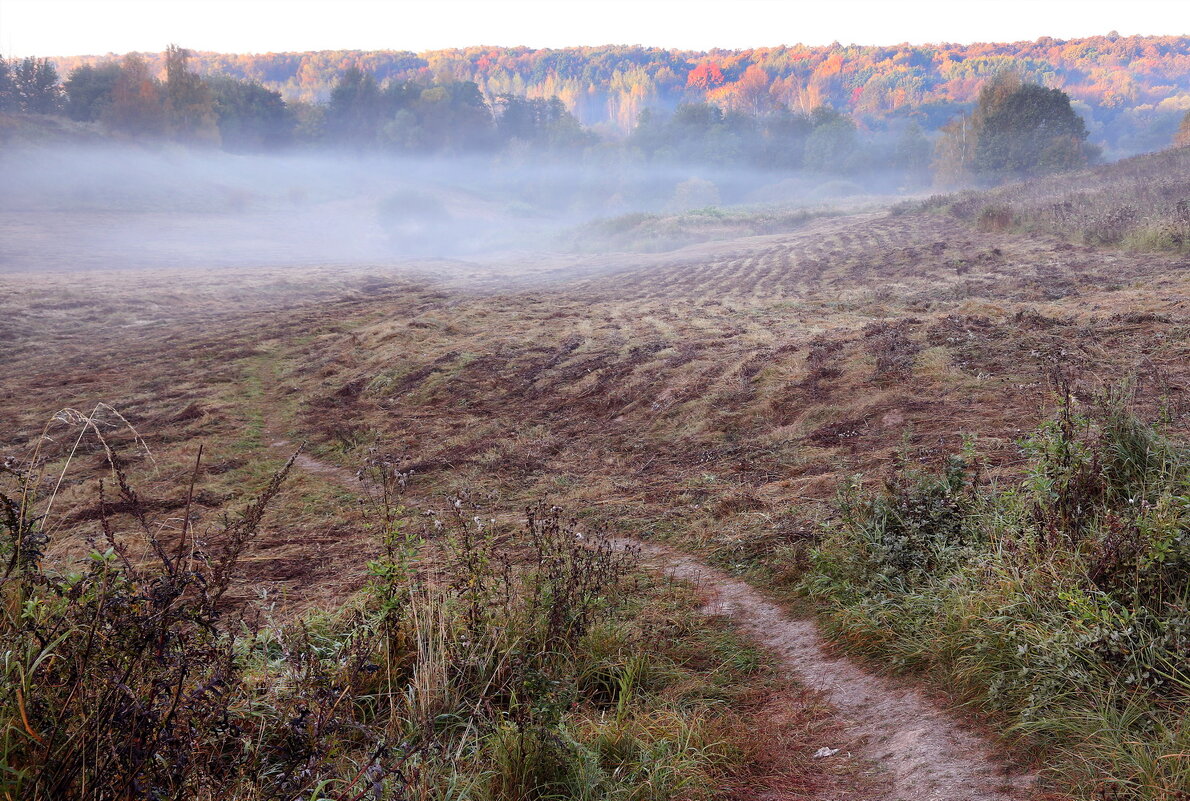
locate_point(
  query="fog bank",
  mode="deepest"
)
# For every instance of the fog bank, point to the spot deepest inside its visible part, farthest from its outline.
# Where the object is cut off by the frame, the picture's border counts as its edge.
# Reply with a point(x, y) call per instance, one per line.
point(117, 208)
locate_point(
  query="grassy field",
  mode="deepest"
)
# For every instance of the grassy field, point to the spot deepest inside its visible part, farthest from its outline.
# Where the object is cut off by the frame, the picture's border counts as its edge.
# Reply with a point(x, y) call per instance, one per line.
point(718, 397)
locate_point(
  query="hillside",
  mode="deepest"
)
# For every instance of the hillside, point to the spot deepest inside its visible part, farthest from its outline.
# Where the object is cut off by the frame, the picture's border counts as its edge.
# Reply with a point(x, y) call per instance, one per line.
point(681, 390)
point(1133, 90)
point(702, 390)
point(39, 130)
point(717, 398)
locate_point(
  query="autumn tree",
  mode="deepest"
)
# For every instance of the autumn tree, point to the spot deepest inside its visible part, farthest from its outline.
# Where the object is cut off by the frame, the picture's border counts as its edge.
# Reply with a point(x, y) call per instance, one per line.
point(1024, 128)
point(402, 131)
point(355, 112)
point(454, 117)
point(251, 117)
point(309, 122)
point(1182, 137)
point(911, 155)
point(8, 88)
point(783, 136)
point(953, 161)
point(137, 106)
point(189, 105)
point(706, 75)
point(37, 88)
point(1017, 129)
point(703, 133)
point(833, 145)
point(750, 94)
point(538, 121)
point(89, 90)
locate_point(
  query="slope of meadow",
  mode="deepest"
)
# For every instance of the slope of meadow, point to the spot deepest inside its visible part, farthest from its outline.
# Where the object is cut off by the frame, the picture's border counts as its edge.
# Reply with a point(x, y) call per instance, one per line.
point(1140, 204)
point(716, 397)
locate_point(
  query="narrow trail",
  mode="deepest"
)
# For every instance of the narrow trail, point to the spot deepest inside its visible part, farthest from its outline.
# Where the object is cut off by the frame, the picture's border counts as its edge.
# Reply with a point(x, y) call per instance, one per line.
point(926, 753)
point(303, 461)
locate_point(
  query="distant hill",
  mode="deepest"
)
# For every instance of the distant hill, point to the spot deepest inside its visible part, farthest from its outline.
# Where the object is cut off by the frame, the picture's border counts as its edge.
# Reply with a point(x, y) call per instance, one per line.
point(1133, 90)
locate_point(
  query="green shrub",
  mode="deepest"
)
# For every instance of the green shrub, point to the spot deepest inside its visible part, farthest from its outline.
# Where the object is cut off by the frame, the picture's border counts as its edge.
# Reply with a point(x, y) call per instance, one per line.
point(1061, 603)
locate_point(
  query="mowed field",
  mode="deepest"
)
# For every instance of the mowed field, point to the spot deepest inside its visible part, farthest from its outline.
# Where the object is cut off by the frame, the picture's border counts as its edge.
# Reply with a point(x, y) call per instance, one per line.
point(714, 396)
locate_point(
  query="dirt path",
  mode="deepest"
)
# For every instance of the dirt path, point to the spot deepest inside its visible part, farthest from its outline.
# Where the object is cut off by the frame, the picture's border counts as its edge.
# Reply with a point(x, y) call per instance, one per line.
point(927, 754)
point(335, 474)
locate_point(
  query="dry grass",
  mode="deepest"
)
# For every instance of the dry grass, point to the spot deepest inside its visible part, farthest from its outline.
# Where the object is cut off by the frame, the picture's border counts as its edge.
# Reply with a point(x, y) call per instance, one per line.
point(654, 390)
point(1141, 204)
point(472, 664)
point(715, 395)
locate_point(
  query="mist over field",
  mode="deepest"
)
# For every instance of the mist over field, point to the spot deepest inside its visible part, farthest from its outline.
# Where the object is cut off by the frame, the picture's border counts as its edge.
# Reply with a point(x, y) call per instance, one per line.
point(111, 207)
point(180, 161)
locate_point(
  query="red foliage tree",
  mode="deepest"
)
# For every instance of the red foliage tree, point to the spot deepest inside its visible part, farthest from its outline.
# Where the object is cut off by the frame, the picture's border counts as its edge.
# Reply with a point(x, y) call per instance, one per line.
point(706, 75)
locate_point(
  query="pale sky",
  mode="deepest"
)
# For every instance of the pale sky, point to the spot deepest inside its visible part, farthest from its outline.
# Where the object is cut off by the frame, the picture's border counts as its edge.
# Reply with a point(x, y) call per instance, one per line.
point(76, 27)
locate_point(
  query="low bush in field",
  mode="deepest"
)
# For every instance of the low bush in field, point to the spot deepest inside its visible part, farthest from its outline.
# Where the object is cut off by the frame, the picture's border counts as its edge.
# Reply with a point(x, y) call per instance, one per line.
point(1063, 603)
point(534, 669)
